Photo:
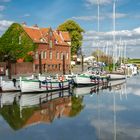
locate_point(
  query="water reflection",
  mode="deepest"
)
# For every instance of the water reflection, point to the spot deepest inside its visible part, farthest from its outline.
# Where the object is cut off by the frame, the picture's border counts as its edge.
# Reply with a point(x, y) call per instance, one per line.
point(97, 113)
point(28, 109)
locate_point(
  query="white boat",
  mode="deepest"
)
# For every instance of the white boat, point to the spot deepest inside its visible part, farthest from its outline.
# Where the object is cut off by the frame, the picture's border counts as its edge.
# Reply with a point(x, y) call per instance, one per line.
point(9, 85)
point(92, 76)
point(84, 80)
point(116, 76)
point(131, 70)
point(42, 85)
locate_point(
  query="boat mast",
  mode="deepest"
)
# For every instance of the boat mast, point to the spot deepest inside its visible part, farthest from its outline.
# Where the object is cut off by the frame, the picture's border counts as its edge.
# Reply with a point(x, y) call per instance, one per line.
point(114, 33)
point(98, 24)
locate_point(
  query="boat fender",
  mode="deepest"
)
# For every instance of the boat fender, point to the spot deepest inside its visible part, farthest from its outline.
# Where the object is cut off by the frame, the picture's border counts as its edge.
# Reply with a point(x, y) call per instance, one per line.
point(14, 82)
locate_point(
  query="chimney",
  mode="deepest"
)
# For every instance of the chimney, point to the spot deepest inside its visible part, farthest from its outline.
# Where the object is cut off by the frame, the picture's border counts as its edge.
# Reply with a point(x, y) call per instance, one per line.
point(24, 24)
point(35, 26)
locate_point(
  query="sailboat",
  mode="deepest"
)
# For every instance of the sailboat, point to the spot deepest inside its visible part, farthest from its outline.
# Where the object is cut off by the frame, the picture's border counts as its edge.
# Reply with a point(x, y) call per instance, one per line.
point(115, 75)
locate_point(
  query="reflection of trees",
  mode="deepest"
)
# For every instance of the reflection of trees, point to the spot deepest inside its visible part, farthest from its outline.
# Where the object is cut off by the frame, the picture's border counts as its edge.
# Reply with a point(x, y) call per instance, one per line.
point(77, 106)
point(47, 112)
point(11, 114)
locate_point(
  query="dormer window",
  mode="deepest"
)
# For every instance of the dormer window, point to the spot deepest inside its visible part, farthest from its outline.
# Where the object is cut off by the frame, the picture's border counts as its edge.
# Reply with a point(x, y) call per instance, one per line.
point(50, 34)
point(42, 40)
point(51, 44)
point(56, 41)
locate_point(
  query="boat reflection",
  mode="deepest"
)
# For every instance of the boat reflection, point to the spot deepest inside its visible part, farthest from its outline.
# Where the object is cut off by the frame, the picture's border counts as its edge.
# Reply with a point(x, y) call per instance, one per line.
point(31, 109)
point(8, 98)
point(81, 91)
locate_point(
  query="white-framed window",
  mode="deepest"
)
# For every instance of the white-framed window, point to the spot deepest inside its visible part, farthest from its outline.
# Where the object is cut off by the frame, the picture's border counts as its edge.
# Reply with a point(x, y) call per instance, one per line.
point(36, 55)
point(50, 54)
point(57, 55)
point(41, 54)
point(61, 56)
point(44, 54)
point(67, 56)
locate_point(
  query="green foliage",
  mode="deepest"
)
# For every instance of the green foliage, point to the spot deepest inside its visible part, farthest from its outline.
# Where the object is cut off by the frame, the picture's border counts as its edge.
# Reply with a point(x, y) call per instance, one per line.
point(102, 57)
point(13, 117)
point(15, 44)
point(134, 61)
point(77, 106)
point(75, 32)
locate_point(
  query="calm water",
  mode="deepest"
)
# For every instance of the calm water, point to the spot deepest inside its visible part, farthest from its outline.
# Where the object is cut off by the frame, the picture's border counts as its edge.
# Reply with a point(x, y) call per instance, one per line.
point(109, 114)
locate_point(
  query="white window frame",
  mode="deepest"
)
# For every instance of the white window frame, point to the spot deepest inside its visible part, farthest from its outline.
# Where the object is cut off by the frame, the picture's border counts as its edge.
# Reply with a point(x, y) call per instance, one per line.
point(51, 54)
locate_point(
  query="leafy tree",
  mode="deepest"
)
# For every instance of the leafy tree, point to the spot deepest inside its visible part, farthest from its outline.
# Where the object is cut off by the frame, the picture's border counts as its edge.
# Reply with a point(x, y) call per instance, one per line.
point(101, 56)
point(75, 32)
point(15, 44)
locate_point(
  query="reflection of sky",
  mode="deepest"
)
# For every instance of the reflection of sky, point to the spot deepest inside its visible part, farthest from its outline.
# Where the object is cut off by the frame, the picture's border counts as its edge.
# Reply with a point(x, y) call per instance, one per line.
point(94, 122)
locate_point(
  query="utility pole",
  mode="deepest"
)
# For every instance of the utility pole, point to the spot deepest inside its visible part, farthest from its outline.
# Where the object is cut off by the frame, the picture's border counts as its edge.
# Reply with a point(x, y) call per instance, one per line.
point(40, 64)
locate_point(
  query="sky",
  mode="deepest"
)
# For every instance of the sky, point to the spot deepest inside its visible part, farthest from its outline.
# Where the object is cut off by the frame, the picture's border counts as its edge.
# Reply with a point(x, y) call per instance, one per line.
point(51, 13)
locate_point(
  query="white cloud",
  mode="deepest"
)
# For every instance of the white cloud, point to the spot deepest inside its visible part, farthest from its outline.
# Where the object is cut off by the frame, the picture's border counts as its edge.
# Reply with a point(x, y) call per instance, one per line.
point(130, 37)
point(94, 2)
point(87, 18)
point(2, 7)
point(123, 131)
point(4, 24)
point(26, 15)
point(118, 15)
point(102, 17)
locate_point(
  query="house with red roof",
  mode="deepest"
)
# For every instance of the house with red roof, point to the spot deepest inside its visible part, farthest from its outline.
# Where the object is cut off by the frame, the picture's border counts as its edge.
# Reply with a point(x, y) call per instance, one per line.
point(52, 45)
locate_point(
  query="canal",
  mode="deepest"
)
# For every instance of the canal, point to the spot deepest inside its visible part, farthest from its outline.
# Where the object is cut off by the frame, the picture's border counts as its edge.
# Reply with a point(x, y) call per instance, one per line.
point(91, 113)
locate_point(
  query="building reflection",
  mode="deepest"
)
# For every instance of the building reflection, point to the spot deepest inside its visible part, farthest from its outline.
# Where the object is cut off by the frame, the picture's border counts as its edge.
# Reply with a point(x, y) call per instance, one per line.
point(32, 109)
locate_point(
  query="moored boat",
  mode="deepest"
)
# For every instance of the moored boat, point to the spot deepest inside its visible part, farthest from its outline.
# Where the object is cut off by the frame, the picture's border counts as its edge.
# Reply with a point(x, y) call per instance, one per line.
point(42, 85)
point(116, 76)
point(9, 85)
point(92, 76)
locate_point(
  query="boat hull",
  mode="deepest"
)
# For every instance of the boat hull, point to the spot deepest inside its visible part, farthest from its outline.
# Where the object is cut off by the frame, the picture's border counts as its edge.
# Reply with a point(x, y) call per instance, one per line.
point(113, 76)
point(30, 86)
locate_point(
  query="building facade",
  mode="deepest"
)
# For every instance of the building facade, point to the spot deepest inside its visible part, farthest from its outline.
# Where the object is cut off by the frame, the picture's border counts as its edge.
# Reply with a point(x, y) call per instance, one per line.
point(53, 46)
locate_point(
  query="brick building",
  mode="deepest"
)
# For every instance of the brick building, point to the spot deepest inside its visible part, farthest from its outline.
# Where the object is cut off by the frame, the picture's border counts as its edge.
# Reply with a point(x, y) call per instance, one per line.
point(52, 45)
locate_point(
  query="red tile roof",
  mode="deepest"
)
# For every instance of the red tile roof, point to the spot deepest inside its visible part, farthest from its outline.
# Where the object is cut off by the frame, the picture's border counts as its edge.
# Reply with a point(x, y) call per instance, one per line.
point(41, 35)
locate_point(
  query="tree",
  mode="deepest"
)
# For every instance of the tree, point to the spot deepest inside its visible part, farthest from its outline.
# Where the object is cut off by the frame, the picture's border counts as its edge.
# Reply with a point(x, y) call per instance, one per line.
point(101, 56)
point(16, 44)
point(75, 32)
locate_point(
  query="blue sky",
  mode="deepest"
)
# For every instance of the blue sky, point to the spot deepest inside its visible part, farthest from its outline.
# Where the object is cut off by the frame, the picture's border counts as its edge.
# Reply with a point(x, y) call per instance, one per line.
point(47, 13)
